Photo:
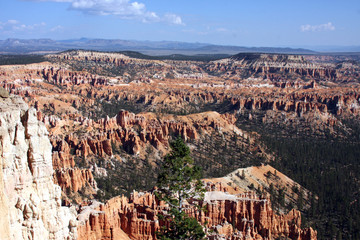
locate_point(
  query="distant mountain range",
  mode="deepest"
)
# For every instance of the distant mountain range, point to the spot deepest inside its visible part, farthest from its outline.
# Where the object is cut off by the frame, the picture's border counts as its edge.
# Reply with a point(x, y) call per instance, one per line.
point(38, 46)
point(335, 49)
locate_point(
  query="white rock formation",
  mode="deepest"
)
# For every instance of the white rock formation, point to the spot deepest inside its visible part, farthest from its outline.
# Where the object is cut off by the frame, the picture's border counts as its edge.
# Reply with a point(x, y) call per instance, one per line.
point(30, 204)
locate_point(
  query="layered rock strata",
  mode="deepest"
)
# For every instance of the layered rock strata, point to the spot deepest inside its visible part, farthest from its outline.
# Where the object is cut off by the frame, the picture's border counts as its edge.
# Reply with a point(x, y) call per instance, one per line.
point(263, 178)
point(30, 202)
point(273, 66)
point(227, 216)
point(133, 132)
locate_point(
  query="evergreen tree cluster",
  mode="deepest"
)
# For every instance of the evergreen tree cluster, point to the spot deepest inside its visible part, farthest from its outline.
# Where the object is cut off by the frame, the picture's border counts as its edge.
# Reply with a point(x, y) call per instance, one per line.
point(178, 181)
point(20, 59)
point(331, 171)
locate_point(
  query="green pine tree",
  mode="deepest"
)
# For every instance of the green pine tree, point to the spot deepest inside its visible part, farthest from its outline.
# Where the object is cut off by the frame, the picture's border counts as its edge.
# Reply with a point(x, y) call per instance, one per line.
point(178, 181)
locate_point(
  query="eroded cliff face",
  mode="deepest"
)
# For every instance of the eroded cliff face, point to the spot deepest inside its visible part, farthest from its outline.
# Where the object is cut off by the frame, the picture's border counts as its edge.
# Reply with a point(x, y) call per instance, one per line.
point(227, 216)
point(29, 200)
point(263, 178)
point(136, 134)
point(282, 66)
point(133, 132)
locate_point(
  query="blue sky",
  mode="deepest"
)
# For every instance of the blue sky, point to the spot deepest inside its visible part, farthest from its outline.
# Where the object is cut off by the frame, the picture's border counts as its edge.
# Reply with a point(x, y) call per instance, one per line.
point(229, 22)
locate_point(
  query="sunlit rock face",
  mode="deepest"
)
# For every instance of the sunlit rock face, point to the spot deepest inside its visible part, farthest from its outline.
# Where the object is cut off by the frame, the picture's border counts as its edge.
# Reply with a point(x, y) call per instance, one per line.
point(30, 204)
point(227, 216)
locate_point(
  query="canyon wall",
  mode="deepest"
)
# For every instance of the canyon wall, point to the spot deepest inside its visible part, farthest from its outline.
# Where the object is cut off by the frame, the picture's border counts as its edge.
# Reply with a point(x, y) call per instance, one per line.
point(227, 216)
point(30, 202)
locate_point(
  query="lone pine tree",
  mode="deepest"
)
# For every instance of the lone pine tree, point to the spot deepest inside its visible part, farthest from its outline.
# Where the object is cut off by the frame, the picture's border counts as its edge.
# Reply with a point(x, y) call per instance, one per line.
point(179, 181)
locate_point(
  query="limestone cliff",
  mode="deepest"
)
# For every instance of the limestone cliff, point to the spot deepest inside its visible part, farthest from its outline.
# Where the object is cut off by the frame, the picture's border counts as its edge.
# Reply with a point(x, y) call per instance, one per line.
point(30, 204)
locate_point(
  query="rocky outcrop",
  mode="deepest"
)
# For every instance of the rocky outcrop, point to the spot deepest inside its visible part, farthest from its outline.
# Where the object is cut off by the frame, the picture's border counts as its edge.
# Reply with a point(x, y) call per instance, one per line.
point(74, 179)
point(242, 216)
point(133, 132)
point(4, 93)
point(66, 77)
point(272, 66)
point(53, 74)
point(61, 155)
point(29, 200)
point(263, 178)
point(304, 102)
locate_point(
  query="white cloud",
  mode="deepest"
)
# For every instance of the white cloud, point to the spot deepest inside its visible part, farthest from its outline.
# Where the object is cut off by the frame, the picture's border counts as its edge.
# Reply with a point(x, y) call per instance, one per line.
point(318, 28)
point(124, 9)
point(16, 26)
point(173, 19)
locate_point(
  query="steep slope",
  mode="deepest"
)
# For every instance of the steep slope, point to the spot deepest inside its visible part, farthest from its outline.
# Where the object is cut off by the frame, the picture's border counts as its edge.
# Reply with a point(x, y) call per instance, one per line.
point(265, 179)
point(30, 201)
point(228, 215)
